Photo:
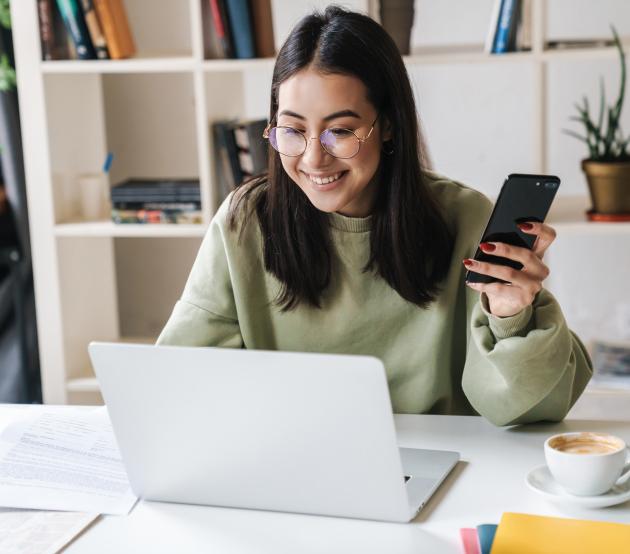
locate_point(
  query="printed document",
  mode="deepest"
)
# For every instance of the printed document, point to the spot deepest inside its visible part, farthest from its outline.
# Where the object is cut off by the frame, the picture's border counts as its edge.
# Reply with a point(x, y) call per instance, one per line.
point(35, 532)
point(64, 459)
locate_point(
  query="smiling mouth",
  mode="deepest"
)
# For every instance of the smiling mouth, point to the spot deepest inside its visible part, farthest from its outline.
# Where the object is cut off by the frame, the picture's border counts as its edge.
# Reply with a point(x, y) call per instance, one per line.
point(326, 180)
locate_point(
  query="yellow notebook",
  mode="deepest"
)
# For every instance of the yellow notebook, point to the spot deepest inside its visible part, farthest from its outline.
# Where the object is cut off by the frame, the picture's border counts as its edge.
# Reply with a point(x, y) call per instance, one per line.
point(528, 534)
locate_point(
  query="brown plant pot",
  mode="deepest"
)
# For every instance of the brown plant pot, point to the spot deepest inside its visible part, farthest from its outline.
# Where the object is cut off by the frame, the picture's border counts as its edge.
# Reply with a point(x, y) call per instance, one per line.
point(609, 185)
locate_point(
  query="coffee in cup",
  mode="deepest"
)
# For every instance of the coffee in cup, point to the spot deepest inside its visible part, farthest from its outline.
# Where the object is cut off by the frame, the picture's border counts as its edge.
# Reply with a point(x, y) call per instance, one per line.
point(587, 464)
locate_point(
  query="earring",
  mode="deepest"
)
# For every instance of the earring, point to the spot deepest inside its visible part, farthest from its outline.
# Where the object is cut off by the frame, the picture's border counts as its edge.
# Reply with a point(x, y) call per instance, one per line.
point(388, 148)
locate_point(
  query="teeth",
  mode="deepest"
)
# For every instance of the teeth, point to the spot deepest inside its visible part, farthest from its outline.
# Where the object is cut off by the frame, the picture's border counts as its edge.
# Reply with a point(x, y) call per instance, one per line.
point(324, 180)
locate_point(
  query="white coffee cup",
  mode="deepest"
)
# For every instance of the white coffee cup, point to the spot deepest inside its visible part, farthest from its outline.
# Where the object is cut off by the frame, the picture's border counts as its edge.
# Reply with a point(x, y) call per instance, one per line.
point(587, 464)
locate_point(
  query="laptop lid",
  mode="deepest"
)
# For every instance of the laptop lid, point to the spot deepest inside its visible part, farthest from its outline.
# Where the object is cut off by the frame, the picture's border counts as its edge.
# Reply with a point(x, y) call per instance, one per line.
point(307, 433)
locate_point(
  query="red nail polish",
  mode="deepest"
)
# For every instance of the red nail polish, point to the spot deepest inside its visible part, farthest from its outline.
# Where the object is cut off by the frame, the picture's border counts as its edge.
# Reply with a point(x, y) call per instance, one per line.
point(468, 262)
point(525, 226)
point(487, 247)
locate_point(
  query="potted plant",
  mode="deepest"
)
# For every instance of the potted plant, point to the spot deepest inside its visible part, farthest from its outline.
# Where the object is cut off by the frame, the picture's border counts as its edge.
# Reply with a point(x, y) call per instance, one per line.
point(607, 167)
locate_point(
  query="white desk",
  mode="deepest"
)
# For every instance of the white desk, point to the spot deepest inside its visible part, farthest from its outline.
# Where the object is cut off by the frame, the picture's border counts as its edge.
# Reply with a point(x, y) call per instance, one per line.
point(488, 481)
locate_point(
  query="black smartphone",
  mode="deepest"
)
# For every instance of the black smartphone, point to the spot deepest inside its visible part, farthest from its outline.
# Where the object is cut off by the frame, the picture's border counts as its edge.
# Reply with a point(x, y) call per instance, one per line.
point(522, 198)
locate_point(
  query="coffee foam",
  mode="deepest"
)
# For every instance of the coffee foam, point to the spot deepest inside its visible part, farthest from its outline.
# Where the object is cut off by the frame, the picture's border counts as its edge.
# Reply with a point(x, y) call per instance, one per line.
point(586, 443)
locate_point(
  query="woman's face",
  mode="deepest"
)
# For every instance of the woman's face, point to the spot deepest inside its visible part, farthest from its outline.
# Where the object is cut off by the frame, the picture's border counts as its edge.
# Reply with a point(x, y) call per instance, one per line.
point(312, 102)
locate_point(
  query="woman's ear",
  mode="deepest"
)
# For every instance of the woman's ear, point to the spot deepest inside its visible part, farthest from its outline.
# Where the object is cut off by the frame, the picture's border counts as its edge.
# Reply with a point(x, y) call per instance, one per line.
point(386, 129)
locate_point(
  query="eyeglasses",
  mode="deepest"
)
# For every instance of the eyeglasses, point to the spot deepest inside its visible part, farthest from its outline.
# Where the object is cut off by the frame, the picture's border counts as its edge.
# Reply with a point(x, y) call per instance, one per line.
point(338, 142)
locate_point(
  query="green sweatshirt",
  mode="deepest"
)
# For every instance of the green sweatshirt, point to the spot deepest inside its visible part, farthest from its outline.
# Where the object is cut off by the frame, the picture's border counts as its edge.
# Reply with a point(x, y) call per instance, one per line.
point(452, 358)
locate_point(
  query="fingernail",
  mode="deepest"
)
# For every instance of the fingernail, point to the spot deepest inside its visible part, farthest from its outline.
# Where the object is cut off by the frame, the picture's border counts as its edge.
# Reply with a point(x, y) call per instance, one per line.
point(525, 226)
point(487, 247)
point(468, 262)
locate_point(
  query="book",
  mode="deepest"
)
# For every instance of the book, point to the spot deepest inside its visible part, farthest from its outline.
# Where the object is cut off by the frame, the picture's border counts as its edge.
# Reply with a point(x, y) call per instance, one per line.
point(505, 36)
point(586, 43)
point(157, 216)
point(63, 45)
point(223, 170)
point(228, 169)
point(46, 31)
point(533, 534)
point(94, 28)
point(157, 205)
point(263, 28)
point(485, 536)
point(113, 19)
point(492, 29)
point(252, 147)
point(75, 25)
point(211, 47)
point(478, 540)
point(55, 42)
point(239, 17)
point(156, 190)
point(220, 26)
point(470, 543)
point(524, 29)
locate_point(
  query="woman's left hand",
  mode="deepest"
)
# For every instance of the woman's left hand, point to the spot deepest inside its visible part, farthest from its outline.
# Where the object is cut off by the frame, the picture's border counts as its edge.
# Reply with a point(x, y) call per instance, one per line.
point(507, 299)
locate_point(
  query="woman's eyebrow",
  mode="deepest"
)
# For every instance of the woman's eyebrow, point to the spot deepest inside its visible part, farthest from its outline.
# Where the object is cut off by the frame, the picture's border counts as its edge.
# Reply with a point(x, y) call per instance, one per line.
point(342, 113)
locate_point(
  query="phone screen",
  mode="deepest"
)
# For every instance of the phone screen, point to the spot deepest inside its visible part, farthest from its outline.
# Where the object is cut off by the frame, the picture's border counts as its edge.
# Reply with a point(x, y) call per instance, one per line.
point(522, 198)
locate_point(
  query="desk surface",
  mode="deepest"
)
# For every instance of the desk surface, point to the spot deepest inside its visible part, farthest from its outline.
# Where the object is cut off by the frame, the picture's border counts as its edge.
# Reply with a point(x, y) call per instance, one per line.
point(488, 481)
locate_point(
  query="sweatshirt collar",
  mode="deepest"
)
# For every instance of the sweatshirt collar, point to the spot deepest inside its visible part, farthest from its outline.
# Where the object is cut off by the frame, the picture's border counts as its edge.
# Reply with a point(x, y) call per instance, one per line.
point(350, 224)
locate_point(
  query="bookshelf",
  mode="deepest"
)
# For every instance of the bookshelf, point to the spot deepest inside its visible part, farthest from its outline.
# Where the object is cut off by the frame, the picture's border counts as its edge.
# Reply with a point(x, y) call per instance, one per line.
point(95, 280)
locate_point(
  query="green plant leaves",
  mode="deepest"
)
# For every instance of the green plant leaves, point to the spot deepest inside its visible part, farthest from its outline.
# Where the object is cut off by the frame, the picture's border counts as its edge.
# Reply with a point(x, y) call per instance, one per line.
point(605, 140)
point(8, 80)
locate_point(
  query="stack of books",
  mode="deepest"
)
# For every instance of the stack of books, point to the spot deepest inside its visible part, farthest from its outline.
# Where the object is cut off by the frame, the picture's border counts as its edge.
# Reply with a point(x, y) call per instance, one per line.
point(156, 201)
point(84, 30)
point(510, 27)
point(240, 152)
point(611, 363)
point(238, 29)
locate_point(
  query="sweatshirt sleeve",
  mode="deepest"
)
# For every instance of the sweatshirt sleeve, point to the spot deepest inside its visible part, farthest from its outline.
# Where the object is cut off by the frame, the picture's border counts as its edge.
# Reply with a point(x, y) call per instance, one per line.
point(206, 314)
point(525, 368)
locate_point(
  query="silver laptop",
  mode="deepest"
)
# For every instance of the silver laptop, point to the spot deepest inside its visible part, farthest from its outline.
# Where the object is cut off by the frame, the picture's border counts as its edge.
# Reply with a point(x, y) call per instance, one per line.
point(292, 432)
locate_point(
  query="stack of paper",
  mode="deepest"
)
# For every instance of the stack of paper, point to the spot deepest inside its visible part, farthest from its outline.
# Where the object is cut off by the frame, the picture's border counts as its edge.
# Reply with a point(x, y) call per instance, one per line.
point(64, 459)
point(58, 458)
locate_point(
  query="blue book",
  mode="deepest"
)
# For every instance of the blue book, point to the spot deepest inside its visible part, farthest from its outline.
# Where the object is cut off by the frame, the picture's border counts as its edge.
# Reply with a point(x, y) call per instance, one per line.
point(485, 534)
point(77, 29)
point(241, 28)
point(506, 26)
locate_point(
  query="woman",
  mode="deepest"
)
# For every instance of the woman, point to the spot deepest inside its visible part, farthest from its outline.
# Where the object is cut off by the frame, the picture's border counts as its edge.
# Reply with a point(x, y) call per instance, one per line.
point(351, 245)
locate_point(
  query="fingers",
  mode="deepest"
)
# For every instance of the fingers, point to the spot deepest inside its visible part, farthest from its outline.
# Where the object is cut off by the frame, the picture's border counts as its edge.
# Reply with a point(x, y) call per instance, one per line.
point(532, 264)
point(545, 235)
point(529, 277)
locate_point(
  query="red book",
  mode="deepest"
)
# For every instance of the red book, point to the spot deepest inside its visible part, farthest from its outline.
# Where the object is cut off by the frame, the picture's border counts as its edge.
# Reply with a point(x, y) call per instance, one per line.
point(221, 28)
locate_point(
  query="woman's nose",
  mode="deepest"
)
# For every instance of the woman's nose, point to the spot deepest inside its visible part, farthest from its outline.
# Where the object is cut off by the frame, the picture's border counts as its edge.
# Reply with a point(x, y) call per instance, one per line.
point(314, 154)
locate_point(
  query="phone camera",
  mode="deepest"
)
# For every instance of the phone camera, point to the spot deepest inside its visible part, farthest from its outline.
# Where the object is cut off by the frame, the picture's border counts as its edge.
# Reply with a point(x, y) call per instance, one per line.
point(550, 185)
point(537, 184)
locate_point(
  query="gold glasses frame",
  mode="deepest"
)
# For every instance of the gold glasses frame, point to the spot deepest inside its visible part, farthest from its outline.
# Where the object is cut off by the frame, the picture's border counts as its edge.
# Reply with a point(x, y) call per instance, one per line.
point(361, 140)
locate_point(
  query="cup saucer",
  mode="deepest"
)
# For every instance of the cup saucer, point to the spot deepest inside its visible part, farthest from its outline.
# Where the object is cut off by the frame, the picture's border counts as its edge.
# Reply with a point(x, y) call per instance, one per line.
point(540, 480)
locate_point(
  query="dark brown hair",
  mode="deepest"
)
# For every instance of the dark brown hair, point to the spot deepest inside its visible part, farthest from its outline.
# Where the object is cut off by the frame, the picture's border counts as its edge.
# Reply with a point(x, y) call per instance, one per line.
point(410, 242)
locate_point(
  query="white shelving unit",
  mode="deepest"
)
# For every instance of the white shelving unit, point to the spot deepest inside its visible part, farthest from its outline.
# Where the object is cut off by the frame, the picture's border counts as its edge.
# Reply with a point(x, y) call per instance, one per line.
point(95, 280)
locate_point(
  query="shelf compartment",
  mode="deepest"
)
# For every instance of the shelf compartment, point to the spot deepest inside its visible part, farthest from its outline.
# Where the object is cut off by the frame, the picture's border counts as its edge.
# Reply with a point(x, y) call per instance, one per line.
point(148, 121)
